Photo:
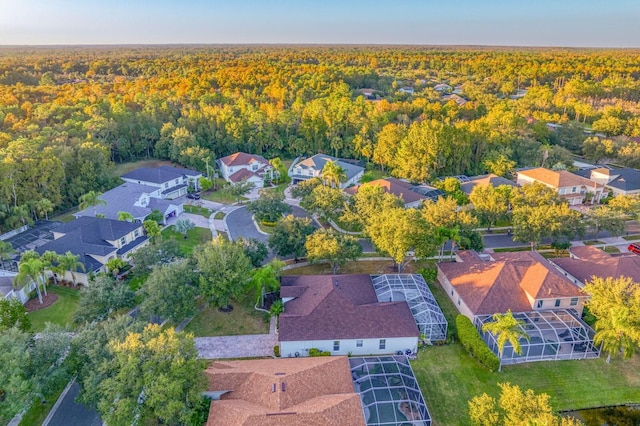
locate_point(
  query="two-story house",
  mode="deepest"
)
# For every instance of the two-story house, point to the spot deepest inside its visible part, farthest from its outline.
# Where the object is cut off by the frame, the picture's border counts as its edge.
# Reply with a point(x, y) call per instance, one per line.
point(569, 186)
point(239, 167)
point(619, 181)
point(312, 168)
point(172, 181)
point(95, 241)
point(136, 199)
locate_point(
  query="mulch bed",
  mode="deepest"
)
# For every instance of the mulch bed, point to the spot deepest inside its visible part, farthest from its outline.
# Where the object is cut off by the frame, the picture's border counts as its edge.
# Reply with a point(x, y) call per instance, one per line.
point(34, 304)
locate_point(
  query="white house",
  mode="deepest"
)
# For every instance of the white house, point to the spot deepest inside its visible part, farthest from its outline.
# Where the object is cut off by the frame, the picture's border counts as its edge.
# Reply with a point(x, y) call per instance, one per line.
point(312, 168)
point(241, 166)
point(624, 181)
point(172, 181)
point(95, 241)
point(569, 186)
point(341, 314)
point(137, 199)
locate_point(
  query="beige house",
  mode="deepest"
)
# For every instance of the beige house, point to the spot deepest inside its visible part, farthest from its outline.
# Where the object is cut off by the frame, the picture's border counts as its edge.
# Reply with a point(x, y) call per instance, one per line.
point(569, 186)
point(241, 167)
point(518, 281)
point(587, 262)
point(619, 181)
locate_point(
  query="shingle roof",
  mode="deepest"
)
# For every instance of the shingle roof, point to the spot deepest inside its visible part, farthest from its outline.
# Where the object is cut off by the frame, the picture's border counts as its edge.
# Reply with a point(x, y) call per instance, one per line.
point(122, 199)
point(625, 180)
point(558, 179)
point(318, 161)
point(159, 174)
point(243, 159)
point(334, 307)
point(292, 391)
point(489, 179)
point(242, 174)
point(397, 187)
point(591, 261)
point(488, 287)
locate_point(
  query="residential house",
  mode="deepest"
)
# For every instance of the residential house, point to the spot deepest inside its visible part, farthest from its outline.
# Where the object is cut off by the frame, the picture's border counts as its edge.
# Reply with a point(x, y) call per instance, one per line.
point(498, 282)
point(431, 193)
point(241, 166)
point(547, 303)
point(9, 289)
point(619, 181)
point(482, 180)
point(455, 98)
point(569, 186)
point(406, 89)
point(443, 87)
point(283, 391)
point(341, 314)
point(172, 181)
point(587, 262)
point(397, 187)
point(137, 199)
point(368, 94)
point(95, 241)
point(312, 168)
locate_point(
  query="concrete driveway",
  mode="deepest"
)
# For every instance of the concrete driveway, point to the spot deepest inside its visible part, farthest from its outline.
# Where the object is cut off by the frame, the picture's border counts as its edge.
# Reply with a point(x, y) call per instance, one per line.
point(199, 221)
point(249, 345)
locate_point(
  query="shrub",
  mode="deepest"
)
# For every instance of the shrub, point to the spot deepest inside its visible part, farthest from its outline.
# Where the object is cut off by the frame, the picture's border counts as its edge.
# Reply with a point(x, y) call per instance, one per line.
point(276, 351)
point(473, 343)
point(318, 352)
point(267, 223)
point(430, 275)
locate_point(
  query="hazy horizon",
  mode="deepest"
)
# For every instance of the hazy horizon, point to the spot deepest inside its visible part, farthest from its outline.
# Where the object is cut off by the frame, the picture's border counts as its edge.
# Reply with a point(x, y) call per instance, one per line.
point(484, 23)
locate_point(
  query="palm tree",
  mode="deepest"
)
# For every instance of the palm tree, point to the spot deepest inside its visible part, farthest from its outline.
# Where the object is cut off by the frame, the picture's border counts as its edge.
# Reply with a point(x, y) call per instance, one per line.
point(115, 265)
point(49, 258)
point(262, 279)
point(6, 250)
point(616, 333)
point(333, 174)
point(276, 309)
point(30, 270)
point(506, 329)
point(43, 207)
point(277, 165)
point(91, 199)
point(69, 262)
point(126, 217)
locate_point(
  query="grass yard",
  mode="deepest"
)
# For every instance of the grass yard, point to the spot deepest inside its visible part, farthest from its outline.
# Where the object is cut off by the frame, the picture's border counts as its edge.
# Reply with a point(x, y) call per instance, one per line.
point(219, 216)
point(61, 312)
point(522, 248)
point(264, 228)
point(195, 237)
point(244, 319)
point(360, 267)
point(122, 168)
point(449, 378)
point(37, 412)
point(66, 217)
point(632, 237)
point(610, 249)
point(592, 242)
point(202, 211)
point(221, 196)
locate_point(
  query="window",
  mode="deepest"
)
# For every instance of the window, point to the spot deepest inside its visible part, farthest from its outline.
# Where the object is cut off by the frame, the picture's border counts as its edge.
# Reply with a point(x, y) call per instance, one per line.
point(358, 343)
point(123, 241)
point(254, 167)
point(166, 185)
point(458, 301)
point(573, 189)
point(574, 301)
point(136, 233)
point(176, 181)
point(540, 303)
point(557, 302)
point(383, 344)
point(452, 292)
point(336, 345)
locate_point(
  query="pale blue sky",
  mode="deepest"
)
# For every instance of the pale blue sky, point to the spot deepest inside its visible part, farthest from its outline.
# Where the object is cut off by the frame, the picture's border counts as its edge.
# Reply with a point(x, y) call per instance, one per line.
point(589, 23)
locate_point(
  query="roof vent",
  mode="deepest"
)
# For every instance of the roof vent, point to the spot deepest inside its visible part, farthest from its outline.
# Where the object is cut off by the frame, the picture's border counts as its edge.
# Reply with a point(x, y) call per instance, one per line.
point(335, 282)
point(273, 387)
point(284, 388)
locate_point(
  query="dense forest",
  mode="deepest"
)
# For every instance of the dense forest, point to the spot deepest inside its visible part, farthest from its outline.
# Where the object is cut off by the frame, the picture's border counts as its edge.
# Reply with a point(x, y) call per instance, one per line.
point(67, 114)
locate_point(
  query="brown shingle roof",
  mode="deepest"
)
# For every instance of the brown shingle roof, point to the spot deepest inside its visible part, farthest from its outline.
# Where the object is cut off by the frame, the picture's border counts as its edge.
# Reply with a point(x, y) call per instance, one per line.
point(317, 391)
point(494, 286)
point(242, 174)
point(393, 186)
point(594, 262)
point(558, 179)
point(242, 158)
point(490, 179)
point(335, 307)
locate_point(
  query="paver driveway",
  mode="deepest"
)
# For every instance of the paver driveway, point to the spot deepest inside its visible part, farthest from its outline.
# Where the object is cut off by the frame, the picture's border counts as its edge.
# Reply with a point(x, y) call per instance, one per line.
point(248, 345)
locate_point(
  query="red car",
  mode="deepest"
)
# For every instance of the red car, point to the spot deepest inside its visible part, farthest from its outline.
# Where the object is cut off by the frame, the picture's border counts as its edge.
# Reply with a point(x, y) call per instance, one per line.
point(634, 248)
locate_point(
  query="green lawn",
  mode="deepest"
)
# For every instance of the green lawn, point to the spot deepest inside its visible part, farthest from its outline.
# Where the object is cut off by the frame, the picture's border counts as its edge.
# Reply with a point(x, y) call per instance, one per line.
point(61, 312)
point(264, 228)
point(122, 168)
point(219, 216)
point(244, 319)
point(449, 378)
point(592, 242)
point(611, 249)
point(202, 211)
point(632, 237)
point(37, 412)
point(221, 196)
point(66, 217)
point(195, 237)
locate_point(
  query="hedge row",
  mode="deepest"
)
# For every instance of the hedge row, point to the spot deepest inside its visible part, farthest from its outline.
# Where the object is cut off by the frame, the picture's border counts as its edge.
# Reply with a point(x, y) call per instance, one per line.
point(318, 352)
point(473, 343)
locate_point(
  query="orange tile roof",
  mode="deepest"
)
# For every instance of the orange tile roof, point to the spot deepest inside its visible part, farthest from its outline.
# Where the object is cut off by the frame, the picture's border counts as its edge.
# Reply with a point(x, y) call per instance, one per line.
point(591, 261)
point(488, 287)
point(308, 391)
point(558, 179)
point(242, 158)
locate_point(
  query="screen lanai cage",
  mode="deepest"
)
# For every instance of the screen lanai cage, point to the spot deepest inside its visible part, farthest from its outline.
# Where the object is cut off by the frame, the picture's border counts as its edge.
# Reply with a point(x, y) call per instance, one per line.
point(553, 335)
point(413, 289)
point(389, 392)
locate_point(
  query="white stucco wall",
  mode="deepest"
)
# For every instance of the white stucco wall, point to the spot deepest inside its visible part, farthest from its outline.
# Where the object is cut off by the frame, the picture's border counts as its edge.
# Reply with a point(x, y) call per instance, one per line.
point(369, 346)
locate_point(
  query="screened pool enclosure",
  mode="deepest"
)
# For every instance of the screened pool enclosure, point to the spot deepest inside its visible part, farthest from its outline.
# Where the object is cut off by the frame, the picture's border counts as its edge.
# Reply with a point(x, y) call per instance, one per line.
point(389, 391)
point(553, 335)
point(413, 289)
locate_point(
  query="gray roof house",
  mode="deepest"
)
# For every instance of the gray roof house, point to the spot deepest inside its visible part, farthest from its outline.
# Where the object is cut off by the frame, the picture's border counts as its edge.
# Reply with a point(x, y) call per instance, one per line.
point(96, 241)
point(172, 181)
point(312, 168)
point(137, 199)
point(621, 181)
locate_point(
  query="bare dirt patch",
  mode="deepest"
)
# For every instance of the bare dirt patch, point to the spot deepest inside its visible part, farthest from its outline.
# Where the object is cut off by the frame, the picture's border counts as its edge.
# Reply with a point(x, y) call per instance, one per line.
point(34, 304)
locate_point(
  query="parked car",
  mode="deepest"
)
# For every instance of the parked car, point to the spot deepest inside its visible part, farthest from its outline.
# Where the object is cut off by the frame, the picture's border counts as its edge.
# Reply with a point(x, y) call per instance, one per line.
point(193, 196)
point(634, 248)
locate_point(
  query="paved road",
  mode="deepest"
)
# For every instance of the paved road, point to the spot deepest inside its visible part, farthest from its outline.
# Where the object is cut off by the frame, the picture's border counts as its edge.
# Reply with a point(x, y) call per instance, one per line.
point(71, 413)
